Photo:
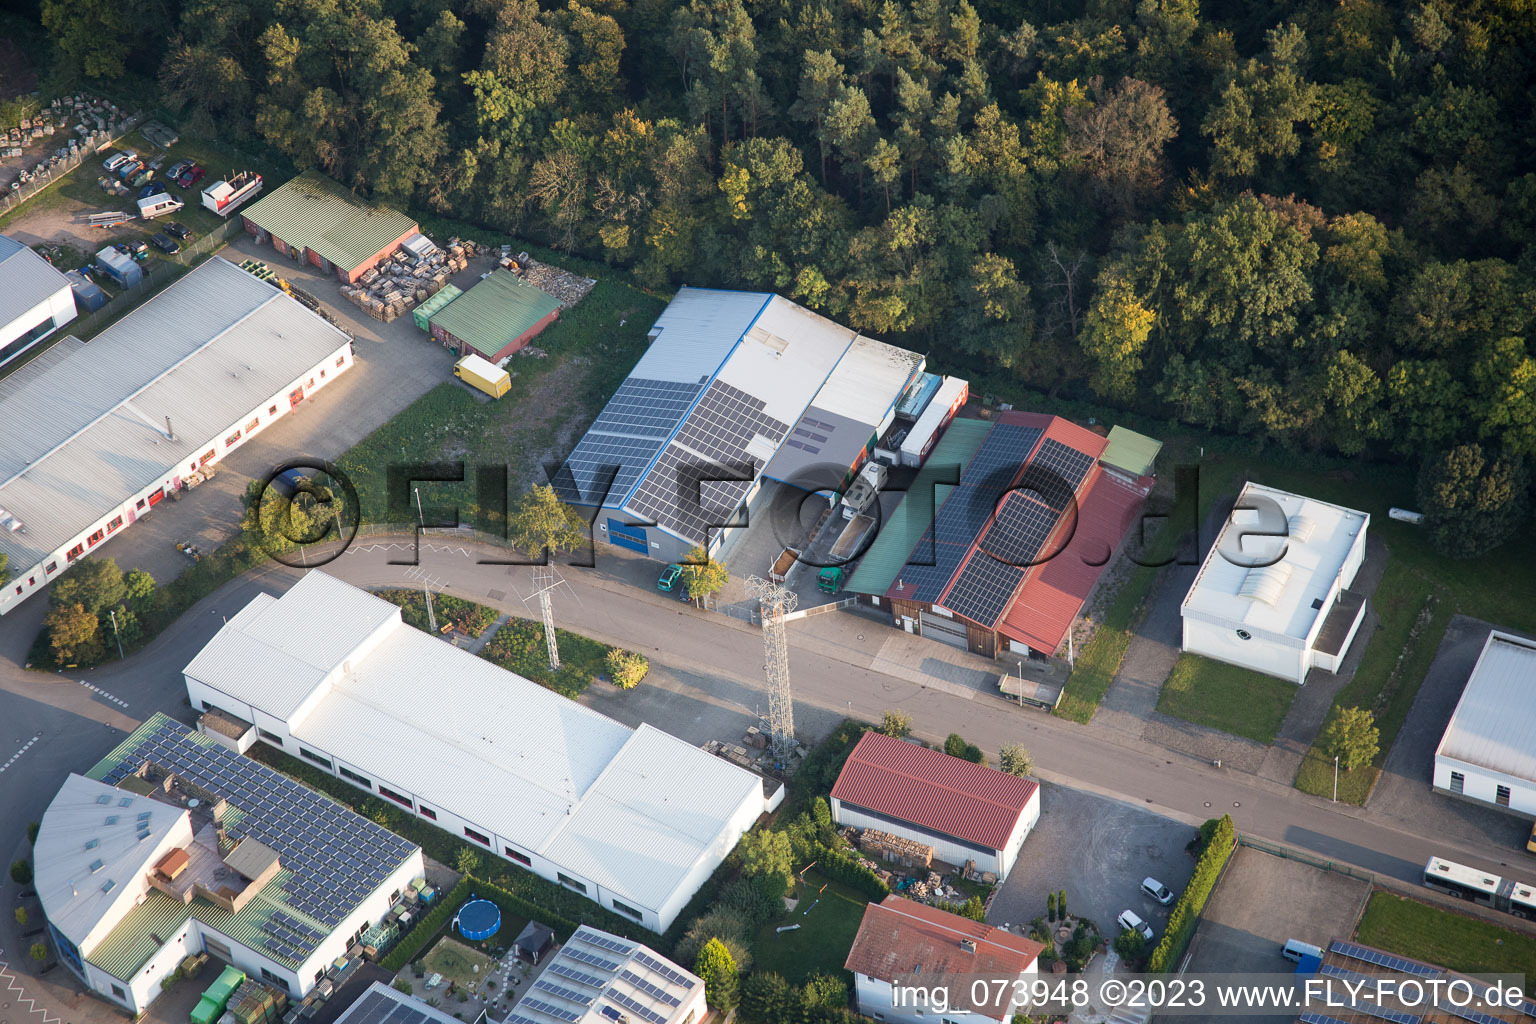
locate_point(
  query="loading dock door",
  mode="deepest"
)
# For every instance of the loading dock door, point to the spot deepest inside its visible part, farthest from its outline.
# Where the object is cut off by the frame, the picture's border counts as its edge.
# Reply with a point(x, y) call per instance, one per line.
point(630, 538)
point(946, 631)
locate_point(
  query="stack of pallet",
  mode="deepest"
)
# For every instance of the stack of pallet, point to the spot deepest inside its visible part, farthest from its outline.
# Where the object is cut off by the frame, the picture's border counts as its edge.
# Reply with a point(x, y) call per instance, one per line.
point(397, 284)
point(255, 1003)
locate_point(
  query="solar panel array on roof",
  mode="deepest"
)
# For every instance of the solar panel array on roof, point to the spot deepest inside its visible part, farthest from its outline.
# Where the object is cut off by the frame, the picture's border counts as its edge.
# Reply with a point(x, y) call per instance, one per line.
point(990, 472)
point(713, 444)
point(1380, 959)
point(625, 437)
point(656, 966)
point(337, 858)
point(635, 1006)
point(650, 988)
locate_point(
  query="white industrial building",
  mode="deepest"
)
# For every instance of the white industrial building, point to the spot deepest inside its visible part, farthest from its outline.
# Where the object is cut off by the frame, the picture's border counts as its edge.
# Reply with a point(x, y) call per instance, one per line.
point(96, 435)
point(598, 978)
point(1488, 752)
point(172, 846)
point(966, 813)
point(635, 819)
point(735, 386)
point(1273, 595)
point(35, 299)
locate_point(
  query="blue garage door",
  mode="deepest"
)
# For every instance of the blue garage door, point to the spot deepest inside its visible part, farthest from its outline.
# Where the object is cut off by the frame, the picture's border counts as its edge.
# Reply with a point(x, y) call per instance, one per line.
point(631, 538)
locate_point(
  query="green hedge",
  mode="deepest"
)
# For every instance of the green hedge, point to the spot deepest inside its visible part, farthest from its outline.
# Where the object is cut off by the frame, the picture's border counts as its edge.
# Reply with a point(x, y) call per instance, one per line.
point(427, 928)
point(845, 868)
point(515, 905)
point(1186, 912)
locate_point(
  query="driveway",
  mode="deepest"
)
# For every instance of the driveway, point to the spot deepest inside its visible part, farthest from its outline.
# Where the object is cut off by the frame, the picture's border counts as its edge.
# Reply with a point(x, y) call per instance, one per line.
point(1098, 850)
point(1403, 792)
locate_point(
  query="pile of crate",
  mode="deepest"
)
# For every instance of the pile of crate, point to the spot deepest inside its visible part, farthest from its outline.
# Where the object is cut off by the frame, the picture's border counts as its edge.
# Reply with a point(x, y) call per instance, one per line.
point(397, 284)
point(93, 122)
point(255, 1003)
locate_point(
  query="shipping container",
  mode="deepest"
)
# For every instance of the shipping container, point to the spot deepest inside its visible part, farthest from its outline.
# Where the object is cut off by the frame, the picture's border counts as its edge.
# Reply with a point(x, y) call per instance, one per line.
point(483, 375)
point(119, 268)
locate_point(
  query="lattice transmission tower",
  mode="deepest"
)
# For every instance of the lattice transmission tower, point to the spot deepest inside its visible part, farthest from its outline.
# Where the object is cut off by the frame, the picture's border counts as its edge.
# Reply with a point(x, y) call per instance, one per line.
point(546, 579)
point(777, 602)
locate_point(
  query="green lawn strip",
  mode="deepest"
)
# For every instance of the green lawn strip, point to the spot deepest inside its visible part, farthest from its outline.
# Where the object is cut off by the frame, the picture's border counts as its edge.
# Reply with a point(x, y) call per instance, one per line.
point(1235, 700)
point(465, 616)
point(450, 425)
point(826, 932)
point(1394, 665)
point(1455, 941)
point(518, 646)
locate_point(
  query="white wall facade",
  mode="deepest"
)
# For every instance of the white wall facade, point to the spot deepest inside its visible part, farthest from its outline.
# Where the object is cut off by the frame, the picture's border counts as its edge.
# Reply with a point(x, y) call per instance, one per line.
point(876, 999)
point(1269, 653)
point(57, 309)
point(24, 583)
point(947, 849)
point(1482, 784)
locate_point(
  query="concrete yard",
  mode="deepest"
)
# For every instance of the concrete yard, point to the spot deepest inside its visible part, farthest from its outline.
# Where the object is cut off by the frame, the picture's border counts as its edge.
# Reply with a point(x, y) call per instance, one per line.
point(1098, 850)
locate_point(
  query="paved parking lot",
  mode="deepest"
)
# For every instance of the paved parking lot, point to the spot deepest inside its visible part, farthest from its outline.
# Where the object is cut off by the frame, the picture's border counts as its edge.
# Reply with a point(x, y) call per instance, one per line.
point(1404, 792)
point(1098, 850)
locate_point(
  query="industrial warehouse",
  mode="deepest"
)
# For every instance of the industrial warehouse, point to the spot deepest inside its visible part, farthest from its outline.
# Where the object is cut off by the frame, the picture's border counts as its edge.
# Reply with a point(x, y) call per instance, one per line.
point(172, 846)
point(313, 219)
point(35, 299)
point(735, 387)
point(97, 435)
point(1488, 752)
point(1006, 561)
point(634, 819)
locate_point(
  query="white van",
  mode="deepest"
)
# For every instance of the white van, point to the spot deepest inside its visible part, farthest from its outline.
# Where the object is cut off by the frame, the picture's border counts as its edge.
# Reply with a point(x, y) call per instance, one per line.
point(1295, 949)
point(159, 205)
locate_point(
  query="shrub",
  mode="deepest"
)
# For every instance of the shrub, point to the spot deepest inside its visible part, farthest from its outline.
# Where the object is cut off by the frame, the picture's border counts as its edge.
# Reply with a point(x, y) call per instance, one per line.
point(32, 831)
point(1186, 912)
point(1061, 904)
point(1050, 907)
point(1015, 760)
point(402, 985)
point(955, 745)
point(821, 766)
point(718, 971)
point(21, 917)
point(756, 900)
point(626, 668)
point(765, 852)
point(1079, 949)
point(844, 868)
point(468, 860)
point(39, 951)
point(21, 871)
point(895, 722)
point(767, 998)
point(1130, 945)
point(972, 908)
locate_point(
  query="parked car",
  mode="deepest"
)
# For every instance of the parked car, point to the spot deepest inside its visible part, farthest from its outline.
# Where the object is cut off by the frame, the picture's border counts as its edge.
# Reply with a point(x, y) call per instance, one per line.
point(165, 243)
point(671, 579)
point(174, 171)
point(189, 177)
point(176, 230)
point(154, 188)
point(1131, 921)
point(117, 160)
point(1157, 890)
point(138, 249)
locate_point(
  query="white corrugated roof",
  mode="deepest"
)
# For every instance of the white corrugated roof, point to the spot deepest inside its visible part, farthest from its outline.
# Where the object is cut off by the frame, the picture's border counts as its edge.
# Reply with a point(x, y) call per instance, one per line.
point(786, 357)
point(1494, 724)
point(657, 808)
point(274, 653)
point(69, 880)
point(89, 432)
point(698, 329)
point(1301, 577)
point(632, 809)
point(26, 281)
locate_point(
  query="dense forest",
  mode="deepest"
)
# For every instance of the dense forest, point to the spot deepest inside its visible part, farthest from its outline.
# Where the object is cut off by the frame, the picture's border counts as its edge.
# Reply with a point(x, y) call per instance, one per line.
point(1307, 220)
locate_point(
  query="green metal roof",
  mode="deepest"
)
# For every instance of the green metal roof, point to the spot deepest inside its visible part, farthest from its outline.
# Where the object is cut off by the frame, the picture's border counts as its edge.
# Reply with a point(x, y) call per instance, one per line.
point(883, 561)
point(424, 311)
point(494, 312)
point(1135, 453)
point(317, 213)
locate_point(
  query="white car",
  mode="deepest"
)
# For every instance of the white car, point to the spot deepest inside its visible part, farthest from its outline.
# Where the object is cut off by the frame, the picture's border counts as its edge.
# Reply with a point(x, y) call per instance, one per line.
point(1157, 890)
point(117, 160)
point(1131, 921)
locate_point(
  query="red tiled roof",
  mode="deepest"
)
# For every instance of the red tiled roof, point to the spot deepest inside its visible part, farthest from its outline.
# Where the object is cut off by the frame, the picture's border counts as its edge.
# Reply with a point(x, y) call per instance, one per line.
point(899, 937)
point(1053, 592)
point(934, 790)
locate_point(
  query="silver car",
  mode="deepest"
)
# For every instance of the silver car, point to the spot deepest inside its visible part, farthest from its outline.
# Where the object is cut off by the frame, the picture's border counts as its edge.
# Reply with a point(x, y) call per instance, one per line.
point(1131, 921)
point(1157, 890)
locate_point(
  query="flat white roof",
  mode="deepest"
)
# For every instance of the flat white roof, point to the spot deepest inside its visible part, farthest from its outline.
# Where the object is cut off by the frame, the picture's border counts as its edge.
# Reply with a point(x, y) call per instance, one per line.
point(1277, 598)
point(868, 381)
point(1494, 725)
point(87, 430)
point(633, 810)
point(786, 357)
point(88, 838)
point(698, 329)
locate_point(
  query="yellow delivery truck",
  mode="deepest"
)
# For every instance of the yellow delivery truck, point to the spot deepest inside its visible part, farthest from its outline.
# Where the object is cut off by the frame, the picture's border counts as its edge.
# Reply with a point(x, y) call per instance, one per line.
point(483, 375)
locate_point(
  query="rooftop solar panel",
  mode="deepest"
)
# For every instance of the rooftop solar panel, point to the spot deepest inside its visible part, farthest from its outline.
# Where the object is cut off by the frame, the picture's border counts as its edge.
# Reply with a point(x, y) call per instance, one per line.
point(650, 988)
point(635, 1006)
point(1380, 959)
point(550, 1009)
point(583, 998)
point(571, 973)
point(664, 969)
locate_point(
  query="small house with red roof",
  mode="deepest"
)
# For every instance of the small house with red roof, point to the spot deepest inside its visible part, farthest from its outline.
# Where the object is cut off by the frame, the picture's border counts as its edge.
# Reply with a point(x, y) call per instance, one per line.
point(914, 963)
point(965, 811)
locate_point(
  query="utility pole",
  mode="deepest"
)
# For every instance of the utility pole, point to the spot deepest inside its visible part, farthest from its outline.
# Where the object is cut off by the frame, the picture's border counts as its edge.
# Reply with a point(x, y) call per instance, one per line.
point(1335, 778)
point(431, 618)
point(421, 518)
point(776, 602)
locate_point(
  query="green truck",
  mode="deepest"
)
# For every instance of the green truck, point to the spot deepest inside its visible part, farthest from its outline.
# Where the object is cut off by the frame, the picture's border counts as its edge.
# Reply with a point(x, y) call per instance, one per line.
point(847, 547)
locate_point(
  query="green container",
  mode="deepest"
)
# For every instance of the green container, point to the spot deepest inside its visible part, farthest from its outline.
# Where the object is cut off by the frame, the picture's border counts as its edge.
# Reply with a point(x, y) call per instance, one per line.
point(434, 303)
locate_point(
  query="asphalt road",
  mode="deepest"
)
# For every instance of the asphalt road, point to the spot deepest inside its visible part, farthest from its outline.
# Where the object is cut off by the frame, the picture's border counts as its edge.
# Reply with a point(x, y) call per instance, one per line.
point(720, 659)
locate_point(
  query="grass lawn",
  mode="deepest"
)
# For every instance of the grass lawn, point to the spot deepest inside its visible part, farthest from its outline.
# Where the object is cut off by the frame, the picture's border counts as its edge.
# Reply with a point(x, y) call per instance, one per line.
point(518, 646)
point(541, 418)
point(1467, 944)
point(1225, 697)
point(826, 932)
point(456, 962)
point(1394, 665)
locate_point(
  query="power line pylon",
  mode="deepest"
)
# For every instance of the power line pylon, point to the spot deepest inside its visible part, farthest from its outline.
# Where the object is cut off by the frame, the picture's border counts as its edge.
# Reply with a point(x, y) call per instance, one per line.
point(545, 579)
point(777, 601)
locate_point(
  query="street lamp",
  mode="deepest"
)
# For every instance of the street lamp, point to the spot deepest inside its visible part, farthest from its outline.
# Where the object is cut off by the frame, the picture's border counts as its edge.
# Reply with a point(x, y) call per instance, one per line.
point(115, 634)
point(1335, 778)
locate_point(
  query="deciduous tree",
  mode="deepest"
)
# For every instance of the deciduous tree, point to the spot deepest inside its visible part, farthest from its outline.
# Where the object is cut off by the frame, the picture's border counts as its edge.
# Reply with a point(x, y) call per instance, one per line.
point(1352, 737)
point(1472, 501)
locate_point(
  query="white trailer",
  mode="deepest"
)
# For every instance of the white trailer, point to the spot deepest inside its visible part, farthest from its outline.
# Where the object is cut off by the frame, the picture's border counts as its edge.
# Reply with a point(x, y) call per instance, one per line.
point(223, 196)
point(925, 433)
